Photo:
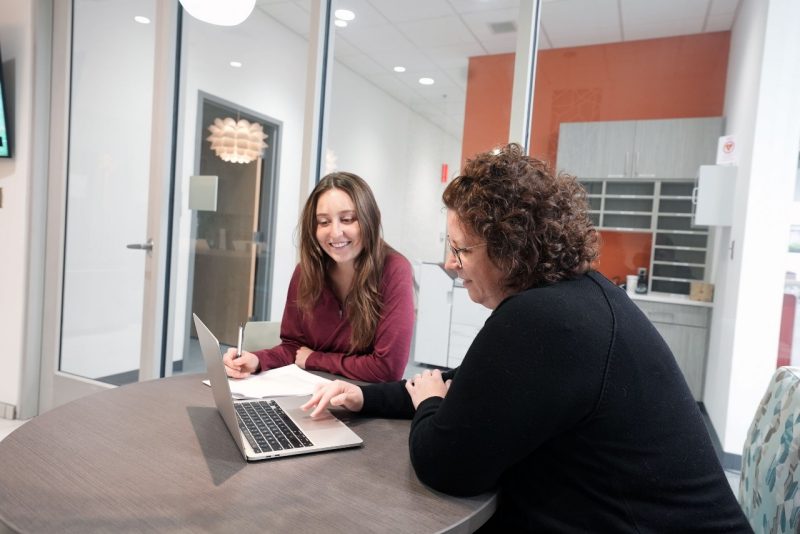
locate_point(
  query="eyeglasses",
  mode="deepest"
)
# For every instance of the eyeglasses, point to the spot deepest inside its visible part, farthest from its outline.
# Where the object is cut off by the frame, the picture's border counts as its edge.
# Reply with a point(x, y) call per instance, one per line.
point(457, 251)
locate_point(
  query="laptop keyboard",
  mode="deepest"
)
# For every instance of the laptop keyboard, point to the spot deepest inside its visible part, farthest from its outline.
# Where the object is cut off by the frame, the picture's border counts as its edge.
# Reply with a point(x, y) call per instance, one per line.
point(267, 427)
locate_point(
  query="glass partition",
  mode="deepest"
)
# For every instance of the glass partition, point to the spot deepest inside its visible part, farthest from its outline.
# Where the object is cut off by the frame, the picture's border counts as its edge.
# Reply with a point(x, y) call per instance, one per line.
point(408, 94)
point(107, 188)
point(233, 259)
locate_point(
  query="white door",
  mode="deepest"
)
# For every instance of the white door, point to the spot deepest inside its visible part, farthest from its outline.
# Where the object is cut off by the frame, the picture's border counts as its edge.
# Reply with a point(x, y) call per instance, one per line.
point(114, 73)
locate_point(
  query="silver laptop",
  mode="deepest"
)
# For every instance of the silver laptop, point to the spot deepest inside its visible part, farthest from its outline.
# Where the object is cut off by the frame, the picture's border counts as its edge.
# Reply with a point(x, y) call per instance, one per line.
point(273, 427)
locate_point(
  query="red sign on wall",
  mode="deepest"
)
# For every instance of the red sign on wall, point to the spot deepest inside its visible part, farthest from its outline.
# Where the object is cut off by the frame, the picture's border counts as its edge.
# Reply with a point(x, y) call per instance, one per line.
point(444, 173)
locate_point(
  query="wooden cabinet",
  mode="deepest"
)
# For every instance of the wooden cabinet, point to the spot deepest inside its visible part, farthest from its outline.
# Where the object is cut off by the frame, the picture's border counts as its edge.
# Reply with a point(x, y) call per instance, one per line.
point(669, 148)
point(684, 327)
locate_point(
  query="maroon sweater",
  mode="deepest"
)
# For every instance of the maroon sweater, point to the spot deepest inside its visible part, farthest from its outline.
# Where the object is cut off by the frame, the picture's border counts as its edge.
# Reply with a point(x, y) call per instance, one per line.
point(326, 330)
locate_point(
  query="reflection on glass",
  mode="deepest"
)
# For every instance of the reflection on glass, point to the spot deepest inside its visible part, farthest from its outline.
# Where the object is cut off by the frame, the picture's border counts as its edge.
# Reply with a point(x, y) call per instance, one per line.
point(411, 98)
point(108, 180)
point(229, 261)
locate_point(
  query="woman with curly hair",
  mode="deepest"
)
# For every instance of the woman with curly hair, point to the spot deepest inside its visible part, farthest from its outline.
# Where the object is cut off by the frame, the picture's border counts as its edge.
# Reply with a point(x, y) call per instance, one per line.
point(568, 402)
point(350, 308)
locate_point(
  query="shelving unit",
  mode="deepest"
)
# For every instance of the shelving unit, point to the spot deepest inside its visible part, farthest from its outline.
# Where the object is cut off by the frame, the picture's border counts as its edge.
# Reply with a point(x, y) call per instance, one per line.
point(663, 207)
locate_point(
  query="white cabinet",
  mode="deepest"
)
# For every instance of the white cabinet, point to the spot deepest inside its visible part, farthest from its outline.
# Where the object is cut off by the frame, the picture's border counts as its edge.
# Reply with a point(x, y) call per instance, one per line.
point(447, 320)
point(669, 148)
point(466, 320)
point(684, 327)
point(715, 187)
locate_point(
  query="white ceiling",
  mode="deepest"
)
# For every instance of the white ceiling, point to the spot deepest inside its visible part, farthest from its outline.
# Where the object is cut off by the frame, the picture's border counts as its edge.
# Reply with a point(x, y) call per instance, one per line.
point(435, 38)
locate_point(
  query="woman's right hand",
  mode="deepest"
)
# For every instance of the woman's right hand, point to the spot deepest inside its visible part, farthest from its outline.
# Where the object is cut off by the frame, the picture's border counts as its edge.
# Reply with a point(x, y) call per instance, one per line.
point(240, 367)
point(336, 393)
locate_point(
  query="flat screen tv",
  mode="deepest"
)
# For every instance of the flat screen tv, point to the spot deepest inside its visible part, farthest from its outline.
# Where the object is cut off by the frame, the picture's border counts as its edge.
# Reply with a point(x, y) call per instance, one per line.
point(5, 141)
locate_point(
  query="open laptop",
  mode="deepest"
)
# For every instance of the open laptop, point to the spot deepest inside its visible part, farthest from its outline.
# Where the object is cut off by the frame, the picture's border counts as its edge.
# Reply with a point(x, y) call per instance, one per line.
point(269, 428)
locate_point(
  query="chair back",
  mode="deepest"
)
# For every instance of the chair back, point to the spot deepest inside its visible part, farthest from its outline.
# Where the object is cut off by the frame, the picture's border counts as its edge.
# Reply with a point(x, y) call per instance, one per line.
point(768, 488)
point(261, 335)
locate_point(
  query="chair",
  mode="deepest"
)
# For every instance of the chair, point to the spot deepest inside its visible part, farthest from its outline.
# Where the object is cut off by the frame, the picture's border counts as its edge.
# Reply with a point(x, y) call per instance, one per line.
point(261, 335)
point(768, 489)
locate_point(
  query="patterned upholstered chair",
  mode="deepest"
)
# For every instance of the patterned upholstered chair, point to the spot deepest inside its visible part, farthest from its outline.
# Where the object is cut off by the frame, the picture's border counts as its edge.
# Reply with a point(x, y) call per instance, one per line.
point(768, 489)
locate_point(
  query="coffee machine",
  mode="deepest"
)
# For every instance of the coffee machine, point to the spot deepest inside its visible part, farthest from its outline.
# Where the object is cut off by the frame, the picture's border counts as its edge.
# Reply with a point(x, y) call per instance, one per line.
point(641, 281)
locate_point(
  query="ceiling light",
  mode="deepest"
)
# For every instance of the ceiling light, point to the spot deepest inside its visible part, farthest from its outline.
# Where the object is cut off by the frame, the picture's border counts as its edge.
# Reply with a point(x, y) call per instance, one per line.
point(237, 141)
point(229, 13)
point(340, 23)
point(141, 20)
point(426, 81)
point(236, 64)
point(399, 68)
point(344, 14)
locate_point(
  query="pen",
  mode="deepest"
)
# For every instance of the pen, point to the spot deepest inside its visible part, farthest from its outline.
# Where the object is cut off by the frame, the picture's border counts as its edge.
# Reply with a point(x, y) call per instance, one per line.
point(239, 343)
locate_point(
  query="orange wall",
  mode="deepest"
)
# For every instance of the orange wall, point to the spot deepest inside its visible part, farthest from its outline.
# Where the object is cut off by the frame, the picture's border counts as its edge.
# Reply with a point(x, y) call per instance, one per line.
point(652, 79)
point(622, 253)
point(665, 78)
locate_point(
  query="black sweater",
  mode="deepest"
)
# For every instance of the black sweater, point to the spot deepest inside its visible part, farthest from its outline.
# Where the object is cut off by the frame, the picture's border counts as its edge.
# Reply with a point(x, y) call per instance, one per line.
point(571, 404)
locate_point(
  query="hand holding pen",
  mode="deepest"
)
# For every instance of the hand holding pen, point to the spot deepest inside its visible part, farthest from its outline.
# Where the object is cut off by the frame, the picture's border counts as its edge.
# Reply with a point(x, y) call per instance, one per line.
point(239, 343)
point(238, 362)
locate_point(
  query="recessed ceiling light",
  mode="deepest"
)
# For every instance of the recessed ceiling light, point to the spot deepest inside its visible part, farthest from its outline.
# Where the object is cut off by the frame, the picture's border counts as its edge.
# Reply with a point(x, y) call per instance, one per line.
point(141, 20)
point(236, 64)
point(340, 23)
point(426, 81)
point(344, 14)
point(399, 68)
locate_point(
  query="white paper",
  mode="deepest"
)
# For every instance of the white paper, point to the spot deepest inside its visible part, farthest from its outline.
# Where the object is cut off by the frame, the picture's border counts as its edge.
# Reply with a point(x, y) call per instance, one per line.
point(283, 381)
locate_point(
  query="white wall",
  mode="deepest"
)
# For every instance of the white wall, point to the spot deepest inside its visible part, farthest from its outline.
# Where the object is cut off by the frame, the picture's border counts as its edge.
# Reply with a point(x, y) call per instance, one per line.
point(16, 44)
point(763, 112)
point(400, 154)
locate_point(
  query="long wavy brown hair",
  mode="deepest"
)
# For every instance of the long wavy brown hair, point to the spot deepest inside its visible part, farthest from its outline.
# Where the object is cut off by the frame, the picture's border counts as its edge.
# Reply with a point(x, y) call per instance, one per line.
point(363, 304)
point(535, 222)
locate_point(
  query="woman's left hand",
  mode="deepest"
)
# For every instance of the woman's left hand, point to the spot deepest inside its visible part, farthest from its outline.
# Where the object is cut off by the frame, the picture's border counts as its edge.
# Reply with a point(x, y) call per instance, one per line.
point(425, 385)
point(301, 356)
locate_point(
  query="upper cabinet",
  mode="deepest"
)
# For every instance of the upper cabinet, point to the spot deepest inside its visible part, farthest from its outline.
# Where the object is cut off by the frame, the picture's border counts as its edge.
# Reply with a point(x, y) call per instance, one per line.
point(670, 148)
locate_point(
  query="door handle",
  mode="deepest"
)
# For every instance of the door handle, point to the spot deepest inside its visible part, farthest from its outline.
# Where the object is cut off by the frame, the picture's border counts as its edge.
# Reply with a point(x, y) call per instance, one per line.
point(141, 246)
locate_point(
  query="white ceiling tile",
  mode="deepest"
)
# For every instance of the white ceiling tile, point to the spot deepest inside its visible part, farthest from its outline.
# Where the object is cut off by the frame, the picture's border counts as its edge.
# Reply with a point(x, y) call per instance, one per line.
point(653, 12)
point(501, 44)
point(571, 22)
point(469, 6)
point(290, 15)
point(664, 28)
point(432, 33)
point(366, 15)
point(480, 22)
point(454, 56)
point(408, 10)
point(362, 64)
point(378, 39)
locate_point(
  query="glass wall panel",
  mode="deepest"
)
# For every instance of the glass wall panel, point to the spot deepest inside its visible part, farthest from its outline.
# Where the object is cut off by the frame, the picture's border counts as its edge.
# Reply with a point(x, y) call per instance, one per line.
point(233, 260)
point(631, 72)
point(107, 188)
point(417, 87)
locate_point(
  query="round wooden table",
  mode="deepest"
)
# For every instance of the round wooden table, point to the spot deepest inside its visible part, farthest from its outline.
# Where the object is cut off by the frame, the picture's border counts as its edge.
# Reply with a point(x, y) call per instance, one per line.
point(156, 456)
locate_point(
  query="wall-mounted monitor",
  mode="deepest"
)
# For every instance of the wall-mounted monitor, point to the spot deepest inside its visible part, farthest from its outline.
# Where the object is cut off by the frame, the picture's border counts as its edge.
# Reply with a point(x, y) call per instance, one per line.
point(5, 137)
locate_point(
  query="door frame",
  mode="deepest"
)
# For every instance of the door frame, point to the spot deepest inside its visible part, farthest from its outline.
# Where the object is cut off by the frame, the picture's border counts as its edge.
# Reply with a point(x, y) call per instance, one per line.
point(57, 387)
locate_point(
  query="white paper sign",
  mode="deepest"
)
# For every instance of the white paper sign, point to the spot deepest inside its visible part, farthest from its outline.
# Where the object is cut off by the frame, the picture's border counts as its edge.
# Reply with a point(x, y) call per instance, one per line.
point(726, 150)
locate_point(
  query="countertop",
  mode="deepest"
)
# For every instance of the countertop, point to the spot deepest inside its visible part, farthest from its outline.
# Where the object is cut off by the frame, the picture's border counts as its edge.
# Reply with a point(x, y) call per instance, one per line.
point(669, 298)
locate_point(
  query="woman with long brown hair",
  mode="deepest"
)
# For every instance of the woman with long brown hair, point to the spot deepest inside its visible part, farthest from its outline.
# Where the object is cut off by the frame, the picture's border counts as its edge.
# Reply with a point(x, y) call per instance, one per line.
point(350, 307)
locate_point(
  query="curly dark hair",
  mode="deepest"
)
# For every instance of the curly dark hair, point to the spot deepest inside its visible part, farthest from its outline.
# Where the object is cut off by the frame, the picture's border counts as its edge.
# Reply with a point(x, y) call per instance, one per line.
point(535, 223)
